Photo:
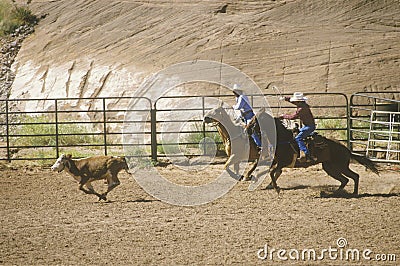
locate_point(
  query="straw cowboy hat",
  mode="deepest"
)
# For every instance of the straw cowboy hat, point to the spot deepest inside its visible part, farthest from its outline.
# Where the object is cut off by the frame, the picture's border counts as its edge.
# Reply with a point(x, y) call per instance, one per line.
point(236, 89)
point(298, 97)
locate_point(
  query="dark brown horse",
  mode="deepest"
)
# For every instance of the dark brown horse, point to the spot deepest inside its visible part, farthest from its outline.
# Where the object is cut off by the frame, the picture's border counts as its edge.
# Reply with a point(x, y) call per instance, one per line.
point(335, 159)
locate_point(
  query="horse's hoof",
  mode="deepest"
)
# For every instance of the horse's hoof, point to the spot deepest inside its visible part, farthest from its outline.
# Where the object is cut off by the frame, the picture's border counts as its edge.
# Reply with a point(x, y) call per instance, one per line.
point(341, 192)
point(247, 178)
point(323, 194)
point(102, 197)
point(270, 186)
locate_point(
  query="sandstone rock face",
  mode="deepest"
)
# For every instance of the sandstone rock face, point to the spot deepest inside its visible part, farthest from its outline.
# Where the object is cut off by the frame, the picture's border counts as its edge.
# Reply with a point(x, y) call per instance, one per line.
point(107, 48)
point(9, 47)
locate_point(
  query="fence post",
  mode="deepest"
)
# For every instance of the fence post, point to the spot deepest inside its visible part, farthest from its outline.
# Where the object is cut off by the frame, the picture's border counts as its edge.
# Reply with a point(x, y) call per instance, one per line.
point(56, 121)
point(104, 126)
point(348, 123)
point(204, 126)
point(153, 125)
point(8, 134)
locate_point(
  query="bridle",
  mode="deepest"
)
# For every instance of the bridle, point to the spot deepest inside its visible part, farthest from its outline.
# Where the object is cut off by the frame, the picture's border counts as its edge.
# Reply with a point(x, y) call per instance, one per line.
point(216, 123)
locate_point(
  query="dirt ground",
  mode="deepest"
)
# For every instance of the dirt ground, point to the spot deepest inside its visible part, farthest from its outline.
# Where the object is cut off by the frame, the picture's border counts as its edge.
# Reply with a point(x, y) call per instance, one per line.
point(45, 220)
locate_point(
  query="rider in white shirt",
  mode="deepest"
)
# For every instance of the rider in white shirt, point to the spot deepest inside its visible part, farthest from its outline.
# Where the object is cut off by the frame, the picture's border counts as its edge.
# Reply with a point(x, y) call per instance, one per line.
point(246, 111)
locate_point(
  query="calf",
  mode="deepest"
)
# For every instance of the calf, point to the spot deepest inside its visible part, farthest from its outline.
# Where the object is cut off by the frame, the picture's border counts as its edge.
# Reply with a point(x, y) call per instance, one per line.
point(90, 169)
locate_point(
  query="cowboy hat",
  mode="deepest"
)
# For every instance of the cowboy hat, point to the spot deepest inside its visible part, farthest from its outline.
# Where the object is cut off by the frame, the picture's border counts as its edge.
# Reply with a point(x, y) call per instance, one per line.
point(236, 89)
point(298, 97)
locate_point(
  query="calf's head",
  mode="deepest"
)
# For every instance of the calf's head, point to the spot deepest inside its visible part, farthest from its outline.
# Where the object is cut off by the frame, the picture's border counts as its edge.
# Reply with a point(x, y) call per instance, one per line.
point(61, 162)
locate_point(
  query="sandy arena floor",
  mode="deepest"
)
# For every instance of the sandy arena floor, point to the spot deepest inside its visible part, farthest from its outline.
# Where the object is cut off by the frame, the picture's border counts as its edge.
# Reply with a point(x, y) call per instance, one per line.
point(45, 220)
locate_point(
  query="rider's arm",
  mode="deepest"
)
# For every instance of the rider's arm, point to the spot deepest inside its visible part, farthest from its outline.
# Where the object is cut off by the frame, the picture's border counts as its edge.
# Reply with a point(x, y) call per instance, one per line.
point(292, 116)
point(240, 103)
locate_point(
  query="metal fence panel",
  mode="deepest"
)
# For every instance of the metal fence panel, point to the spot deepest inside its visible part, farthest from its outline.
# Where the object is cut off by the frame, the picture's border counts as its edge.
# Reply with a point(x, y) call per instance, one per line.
point(83, 126)
point(330, 111)
point(89, 126)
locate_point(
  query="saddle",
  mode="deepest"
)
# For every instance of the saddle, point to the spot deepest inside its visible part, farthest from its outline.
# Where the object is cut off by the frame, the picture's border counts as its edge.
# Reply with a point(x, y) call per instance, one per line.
point(316, 144)
point(318, 147)
point(253, 128)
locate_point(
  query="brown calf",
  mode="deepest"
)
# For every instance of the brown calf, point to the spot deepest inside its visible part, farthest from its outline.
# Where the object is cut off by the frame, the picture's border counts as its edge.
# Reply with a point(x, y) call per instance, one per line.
point(90, 169)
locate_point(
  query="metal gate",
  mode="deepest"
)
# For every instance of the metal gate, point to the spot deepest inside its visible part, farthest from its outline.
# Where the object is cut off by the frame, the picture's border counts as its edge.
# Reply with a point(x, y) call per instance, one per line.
point(375, 125)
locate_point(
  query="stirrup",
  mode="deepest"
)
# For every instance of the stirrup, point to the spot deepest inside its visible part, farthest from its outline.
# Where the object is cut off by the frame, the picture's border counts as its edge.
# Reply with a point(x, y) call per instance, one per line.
point(310, 159)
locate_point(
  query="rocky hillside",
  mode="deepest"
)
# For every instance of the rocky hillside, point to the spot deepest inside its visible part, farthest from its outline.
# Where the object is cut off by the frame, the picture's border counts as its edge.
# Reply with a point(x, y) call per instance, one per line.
point(106, 48)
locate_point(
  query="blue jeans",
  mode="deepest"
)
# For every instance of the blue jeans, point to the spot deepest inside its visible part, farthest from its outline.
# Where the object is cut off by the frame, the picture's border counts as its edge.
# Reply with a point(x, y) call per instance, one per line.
point(304, 132)
point(256, 139)
point(254, 135)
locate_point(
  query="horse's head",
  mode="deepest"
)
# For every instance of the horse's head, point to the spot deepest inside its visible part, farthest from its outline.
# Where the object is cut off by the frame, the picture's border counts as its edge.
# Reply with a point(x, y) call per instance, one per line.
point(216, 116)
point(219, 118)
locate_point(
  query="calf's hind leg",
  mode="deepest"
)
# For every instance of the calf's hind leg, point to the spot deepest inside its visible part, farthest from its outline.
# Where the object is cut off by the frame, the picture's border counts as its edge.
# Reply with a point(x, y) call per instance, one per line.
point(112, 181)
point(83, 182)
point(91, 191)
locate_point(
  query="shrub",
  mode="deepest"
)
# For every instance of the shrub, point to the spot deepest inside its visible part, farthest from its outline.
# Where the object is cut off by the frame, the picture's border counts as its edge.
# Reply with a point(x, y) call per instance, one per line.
point(196, 142)
point(12, 17)
point(40, 131)
point(334, 128)
point(37, 131)
point(198, 136)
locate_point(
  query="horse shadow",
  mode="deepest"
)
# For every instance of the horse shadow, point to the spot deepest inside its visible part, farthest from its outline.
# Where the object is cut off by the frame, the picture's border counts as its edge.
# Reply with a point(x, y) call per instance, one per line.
point(332, 192)
point(298, 187)
point(346, 195)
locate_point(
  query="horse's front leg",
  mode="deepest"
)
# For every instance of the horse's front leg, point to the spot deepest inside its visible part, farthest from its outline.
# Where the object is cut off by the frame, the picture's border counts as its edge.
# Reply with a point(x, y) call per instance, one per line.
point(247, 176)
point(274, 174)
point(274, 171)
point(232, 160)
point(236, 168)
point(229, 161)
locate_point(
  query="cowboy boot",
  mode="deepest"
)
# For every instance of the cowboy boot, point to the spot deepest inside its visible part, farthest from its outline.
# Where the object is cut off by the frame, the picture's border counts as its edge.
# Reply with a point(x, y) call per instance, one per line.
point(311, 158)
point(303, 157)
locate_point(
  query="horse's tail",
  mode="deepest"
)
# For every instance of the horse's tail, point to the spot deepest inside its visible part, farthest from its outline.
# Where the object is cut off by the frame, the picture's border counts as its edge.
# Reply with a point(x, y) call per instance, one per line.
point(366, 162)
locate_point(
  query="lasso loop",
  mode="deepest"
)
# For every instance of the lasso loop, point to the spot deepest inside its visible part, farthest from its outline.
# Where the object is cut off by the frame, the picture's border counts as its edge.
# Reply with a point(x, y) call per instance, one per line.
point(287, 123)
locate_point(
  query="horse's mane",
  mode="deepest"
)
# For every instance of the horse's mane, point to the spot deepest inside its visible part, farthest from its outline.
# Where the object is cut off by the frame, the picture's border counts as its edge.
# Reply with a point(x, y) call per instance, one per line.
point(282, 132)
point(226, 118)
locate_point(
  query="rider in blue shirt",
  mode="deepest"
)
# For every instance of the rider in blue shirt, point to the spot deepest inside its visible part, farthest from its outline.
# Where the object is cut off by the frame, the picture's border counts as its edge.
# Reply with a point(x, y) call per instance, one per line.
point(246, 111)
